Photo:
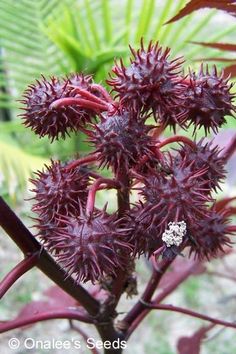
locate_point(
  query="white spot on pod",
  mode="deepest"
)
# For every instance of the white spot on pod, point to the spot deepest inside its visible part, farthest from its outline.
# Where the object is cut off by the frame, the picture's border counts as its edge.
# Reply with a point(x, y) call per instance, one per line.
point(174, 234)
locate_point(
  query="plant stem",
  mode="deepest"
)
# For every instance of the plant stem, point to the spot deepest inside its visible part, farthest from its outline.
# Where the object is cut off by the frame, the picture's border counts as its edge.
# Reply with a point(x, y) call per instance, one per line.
point(123, 205)
point(103, 91)
point(140, 312)
point(82, 161)
point(109, 183)
point(21, 268)
point(74, 101)
point(148, 292)
point(190, 313)
point(38, 317)
point(177, 139)
point(29, 245)
point(90, 96)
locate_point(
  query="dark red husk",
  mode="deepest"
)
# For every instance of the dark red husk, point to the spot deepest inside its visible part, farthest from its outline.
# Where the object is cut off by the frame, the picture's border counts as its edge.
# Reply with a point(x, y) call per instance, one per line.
point(151, 83)
point(208, 99)
point(210, 235)
point(205, 156)
point(54, 123)
point(122, 140)
point(59, 191)
point(144, 234)
point(180, 195)
point(90, 247)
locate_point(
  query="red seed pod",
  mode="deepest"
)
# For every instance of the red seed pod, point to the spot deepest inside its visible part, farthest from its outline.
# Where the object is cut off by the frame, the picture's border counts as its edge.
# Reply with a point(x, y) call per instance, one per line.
point(151, 82)
point(59, 191)
point(209, 236)
point(122, 140)
point(205, 156)
point(80, 80)
point(208, 99)
point(54, 122)
point(180, 195)
point(145, 235)
point(89, 247)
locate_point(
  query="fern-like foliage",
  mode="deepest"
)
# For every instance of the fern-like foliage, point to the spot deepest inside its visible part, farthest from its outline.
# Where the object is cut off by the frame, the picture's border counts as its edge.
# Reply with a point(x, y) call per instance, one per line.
point(26, 51)
point(16, 167)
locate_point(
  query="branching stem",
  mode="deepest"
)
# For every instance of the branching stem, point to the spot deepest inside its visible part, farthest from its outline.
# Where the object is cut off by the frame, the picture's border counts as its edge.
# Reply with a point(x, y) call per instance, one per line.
point(190, 313)
point(82, 161)
point(100, 183)
point(48, 315)
point(21, 268)
point(75, 101)
point(177, 139)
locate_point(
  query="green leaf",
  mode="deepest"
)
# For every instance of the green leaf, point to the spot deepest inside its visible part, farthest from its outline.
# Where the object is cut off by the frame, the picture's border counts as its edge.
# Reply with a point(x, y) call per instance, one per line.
point(92, 25)
point(106, 56)
point(16, 167)
point(107, 20)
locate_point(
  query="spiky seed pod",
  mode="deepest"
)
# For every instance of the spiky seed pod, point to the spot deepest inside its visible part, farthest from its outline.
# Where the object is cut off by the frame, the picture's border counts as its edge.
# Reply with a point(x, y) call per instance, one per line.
point(76, 79)
point(210, 235)
point(151, 82)
point(148, 234)
point(59, 191)
point(90, 247)
point(121, 141)
point(54, 122)
point(175, 197)
point(208, 99)
point(144, 234)
point(205, 156)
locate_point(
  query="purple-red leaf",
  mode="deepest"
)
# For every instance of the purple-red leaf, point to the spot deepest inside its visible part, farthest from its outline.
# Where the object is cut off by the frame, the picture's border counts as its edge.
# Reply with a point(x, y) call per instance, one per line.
point(223, 203)
point(192, 344)
point(222, 46)
point(222, 60)
point(57, 299)
point(230, 70)
point(225, 5)
point(180, 266)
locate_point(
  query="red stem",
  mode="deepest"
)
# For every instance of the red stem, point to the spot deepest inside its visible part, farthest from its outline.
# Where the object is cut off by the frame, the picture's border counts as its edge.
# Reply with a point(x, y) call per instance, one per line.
point(102, 90)
point(71, 101)
point(29, 245)
point(82, 161)
point(90, 96)
point(21, 268)
point(190, 313)
point(156, 276)
point(123, 201)
point(49, 315)
point(176, 139)
point(109, 183)
point(139, 312)
point(231, 229)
